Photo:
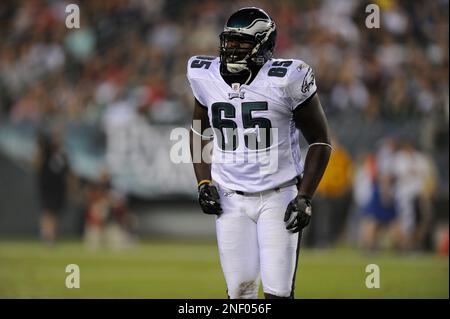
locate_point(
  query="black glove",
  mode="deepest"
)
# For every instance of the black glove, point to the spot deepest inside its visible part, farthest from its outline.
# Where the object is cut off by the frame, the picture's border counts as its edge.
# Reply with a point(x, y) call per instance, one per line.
point(209, 199)
point(298, 214)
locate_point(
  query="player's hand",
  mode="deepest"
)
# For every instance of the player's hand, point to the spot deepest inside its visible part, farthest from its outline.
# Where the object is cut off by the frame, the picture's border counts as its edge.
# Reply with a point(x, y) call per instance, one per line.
point(209, 199)
point(298, 214)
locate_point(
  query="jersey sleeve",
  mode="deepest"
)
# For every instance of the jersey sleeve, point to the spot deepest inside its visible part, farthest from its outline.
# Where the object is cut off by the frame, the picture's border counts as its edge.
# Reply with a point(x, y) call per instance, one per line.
point(195, 82)
point(301, 86)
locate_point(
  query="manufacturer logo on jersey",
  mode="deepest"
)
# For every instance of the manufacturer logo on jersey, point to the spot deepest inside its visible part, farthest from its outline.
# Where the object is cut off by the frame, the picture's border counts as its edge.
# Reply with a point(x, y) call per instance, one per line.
point(228, 194)
point(302, 66)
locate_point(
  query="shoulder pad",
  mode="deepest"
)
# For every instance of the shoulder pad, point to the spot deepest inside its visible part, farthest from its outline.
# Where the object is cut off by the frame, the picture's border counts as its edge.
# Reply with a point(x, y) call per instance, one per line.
point(199, 74)
point(303, 74)
point(296, 77)
point(199, 66)
point(282, 71)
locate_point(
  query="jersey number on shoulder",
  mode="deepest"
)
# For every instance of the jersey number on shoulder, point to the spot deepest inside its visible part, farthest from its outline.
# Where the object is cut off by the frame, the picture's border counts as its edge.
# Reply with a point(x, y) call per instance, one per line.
point(279, 68)
point(202, 62)
point(259, 139)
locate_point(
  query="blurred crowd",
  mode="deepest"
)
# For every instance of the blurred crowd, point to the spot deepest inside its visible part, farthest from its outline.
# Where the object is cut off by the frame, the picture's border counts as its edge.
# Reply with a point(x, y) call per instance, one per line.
point(129, 58)
point(394, 190)
point(384, 199)
point(130, 55)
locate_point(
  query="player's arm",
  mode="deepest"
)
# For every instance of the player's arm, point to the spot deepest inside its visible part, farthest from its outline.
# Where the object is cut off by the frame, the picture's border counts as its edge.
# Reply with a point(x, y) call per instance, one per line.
point(310, 119)
point(208, 195)
point(198, 141)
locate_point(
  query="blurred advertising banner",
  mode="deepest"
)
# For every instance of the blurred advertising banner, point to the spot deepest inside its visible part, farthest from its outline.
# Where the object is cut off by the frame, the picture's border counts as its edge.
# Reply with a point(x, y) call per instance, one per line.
point(138, 157)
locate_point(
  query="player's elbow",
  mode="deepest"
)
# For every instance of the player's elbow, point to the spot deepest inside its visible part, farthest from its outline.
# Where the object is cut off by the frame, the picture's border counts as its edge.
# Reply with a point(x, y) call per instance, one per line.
point(321, 137)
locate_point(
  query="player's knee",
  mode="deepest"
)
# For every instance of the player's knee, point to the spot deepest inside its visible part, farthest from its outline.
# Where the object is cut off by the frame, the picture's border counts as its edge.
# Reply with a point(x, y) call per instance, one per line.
point(244, 290)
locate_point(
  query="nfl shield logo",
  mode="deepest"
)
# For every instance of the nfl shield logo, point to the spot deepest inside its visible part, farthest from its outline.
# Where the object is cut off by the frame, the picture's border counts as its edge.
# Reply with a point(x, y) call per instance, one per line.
point(237, 91)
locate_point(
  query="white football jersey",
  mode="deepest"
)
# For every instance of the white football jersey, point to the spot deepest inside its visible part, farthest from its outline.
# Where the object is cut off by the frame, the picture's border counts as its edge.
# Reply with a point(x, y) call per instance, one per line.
point(256, 143)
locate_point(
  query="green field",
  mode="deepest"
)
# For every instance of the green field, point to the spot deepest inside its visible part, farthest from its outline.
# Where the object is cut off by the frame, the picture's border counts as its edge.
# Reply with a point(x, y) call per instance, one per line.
point(186, 269)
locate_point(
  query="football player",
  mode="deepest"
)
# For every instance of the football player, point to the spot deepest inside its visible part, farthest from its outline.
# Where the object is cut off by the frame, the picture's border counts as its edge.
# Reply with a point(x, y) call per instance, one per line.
point(256, 185)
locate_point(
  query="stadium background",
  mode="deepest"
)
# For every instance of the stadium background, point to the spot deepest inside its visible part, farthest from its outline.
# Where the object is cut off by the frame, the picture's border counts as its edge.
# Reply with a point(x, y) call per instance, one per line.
point(114, 89)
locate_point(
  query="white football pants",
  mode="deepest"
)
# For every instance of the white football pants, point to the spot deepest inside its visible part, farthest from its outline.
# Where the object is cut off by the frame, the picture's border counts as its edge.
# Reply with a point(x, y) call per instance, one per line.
point(254, 243)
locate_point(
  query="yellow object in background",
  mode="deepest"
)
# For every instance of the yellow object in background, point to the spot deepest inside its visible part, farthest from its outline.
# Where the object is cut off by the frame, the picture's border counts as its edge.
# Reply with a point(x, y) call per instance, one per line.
point(338, 176)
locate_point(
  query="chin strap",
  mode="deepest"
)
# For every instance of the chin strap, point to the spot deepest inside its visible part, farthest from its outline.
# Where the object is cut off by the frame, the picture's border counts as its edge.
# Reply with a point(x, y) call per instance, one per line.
point(233, 68)
point(236, 67)
point(249, 76)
